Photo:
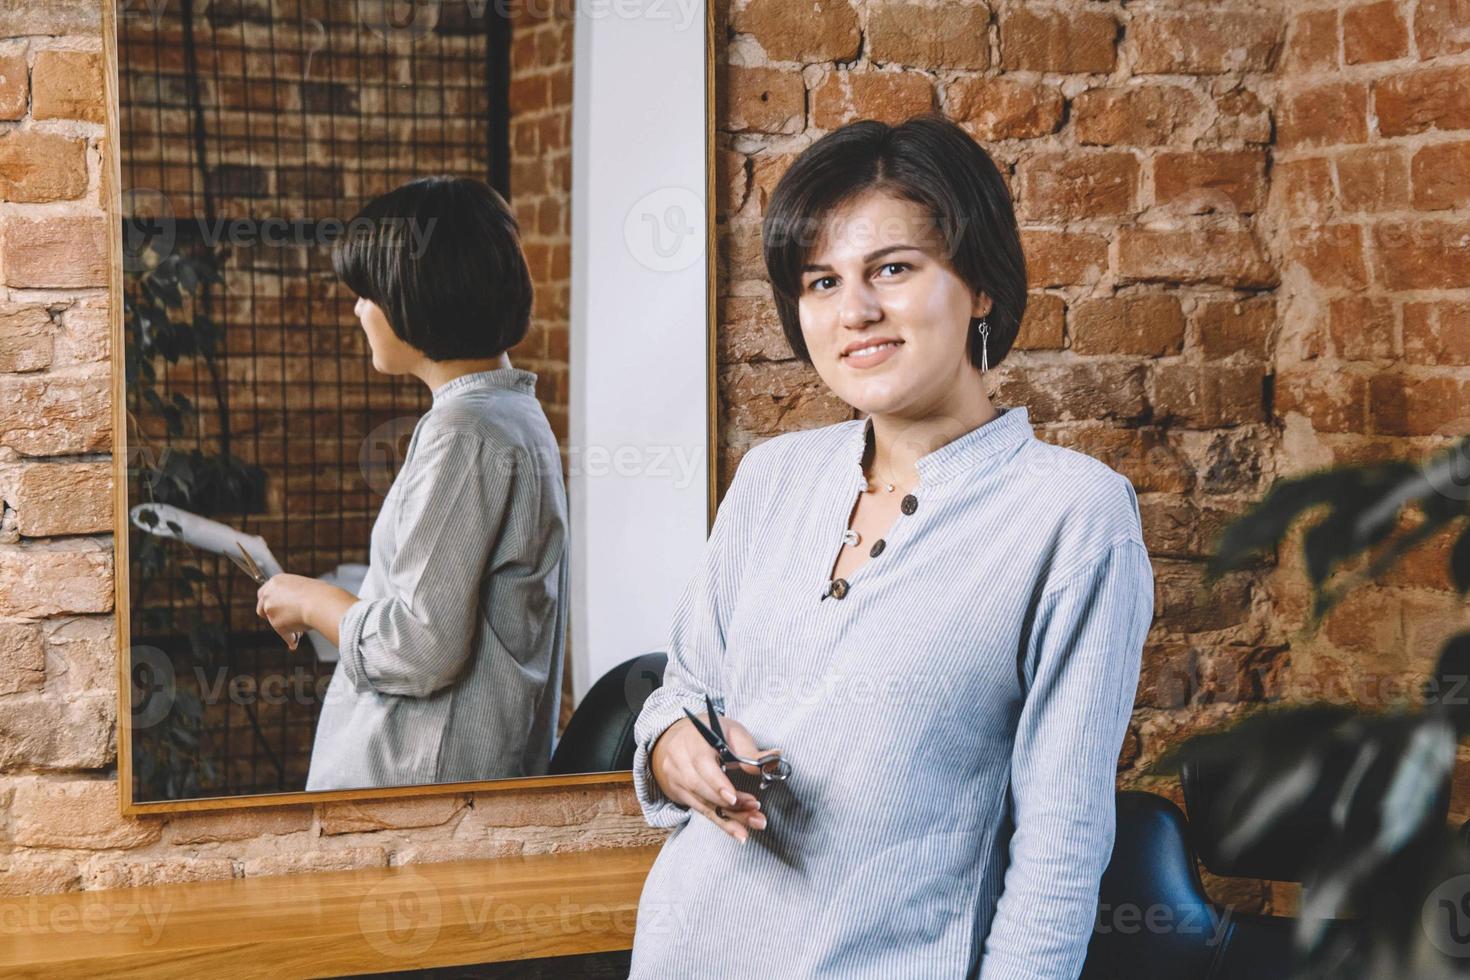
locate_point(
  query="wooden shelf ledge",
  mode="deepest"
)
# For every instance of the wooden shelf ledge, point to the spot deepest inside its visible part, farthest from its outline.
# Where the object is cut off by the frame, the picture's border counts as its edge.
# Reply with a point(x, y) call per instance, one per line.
point(323, 924)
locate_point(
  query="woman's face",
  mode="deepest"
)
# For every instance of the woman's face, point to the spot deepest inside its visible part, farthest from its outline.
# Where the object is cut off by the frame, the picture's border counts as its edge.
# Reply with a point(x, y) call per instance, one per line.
point(390, 354)
point(884, 316)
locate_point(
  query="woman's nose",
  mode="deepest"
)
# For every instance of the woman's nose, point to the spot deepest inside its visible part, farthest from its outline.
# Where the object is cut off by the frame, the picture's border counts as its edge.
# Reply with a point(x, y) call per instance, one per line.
point(860, 306)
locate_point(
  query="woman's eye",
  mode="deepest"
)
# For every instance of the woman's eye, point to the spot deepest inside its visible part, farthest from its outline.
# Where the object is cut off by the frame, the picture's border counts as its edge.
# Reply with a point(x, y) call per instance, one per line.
point(816, 284)
point(900, 266)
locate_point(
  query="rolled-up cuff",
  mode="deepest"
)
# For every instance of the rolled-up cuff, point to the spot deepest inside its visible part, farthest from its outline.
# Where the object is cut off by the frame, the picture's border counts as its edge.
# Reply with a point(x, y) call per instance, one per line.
point(349, 644)
point(658, 809)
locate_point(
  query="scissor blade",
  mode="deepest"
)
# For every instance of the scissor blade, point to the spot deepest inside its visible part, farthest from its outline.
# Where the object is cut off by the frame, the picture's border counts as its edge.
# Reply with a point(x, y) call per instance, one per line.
point(714, 717)
point(246, 569)
point(709, 736)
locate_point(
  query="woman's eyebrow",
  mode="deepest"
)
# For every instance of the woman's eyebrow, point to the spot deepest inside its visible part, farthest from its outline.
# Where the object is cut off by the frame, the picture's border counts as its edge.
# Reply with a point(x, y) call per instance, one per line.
point(870, 257)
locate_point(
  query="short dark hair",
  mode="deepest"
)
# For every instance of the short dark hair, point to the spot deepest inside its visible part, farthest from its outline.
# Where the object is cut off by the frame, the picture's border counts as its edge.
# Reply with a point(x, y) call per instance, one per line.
point(927, 160)
point(442, 257)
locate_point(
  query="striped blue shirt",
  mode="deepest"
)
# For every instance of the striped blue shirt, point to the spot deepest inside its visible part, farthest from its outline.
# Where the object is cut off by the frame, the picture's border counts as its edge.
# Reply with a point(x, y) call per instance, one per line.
point(452, 655)
point(953, 722)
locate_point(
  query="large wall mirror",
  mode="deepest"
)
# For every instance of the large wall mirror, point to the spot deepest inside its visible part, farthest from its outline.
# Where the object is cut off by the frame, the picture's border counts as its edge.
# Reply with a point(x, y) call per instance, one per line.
point(252, 425)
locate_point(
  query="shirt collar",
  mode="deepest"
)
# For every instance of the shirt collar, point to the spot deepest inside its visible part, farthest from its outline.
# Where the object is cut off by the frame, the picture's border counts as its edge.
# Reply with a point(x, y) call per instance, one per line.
point(961, 455)
point(514, 378)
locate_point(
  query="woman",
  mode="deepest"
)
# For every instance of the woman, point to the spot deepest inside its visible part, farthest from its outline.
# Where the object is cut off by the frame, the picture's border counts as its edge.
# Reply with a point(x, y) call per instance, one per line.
point(936, 616)
point(451, 657)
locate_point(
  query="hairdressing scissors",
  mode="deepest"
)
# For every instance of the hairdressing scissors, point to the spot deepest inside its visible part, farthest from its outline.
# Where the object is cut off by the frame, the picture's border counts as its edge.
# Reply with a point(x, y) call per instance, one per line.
point(249, 567)
point(773, 768)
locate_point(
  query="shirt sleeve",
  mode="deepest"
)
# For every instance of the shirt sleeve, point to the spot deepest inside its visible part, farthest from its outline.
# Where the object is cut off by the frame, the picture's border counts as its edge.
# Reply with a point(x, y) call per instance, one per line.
point(697, 642)
point(1086, 647)
point(449, 511)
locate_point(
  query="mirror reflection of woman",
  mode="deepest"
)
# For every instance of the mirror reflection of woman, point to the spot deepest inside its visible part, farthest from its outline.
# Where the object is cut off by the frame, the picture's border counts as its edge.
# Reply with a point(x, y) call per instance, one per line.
point(934, 615)
point(451, 656)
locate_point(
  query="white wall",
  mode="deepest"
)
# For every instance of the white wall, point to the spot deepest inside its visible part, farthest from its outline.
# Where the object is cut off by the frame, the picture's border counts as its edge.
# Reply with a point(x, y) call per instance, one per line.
point(639, 464)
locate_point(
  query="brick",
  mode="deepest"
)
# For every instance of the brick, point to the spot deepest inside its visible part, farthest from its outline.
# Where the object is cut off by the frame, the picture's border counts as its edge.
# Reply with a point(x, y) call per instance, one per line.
point(35, 584)
point(1373, 32)
point(76, 813)
point(765, 173)
point(1230, 181)
point(15, 84)
point(1422, 254)
point(763, 100)
point(1203, 43)
point(1331, 254)
point(339, 859)
point(54, 415)
point(25, 339)
point(1084, 389)
point(768, 399)
point(1303, 187)
point(1373, 179)
point(1077, 41)
point(55, 252)
point(1440, 175)
point(1220, 256)
point(1063, 258)
point(1189, 605)
point(1240, 115)
point(52, 733)
point(1067, 186)
point(1140, 115)
point(889, 97)
point(22, 658)
point(1436, 333)
point(25, 875)
point(812, 32)
point(1207, 396)
point(1424, 100)
point(67, 85)
point(923, 36)
point(1043, 324)
point(1332, 401)
point(1400, 405)
point(1439, 27)
point(750, 331)
point(533, 808)
point(1311, 43)
point(1330, 114)
point(1225, 327)
point(64, 498)
point(171, 870)
point(1000, 109)
point(1361, 327)
point(1145, 325)
point(1143, 455)
point(232, 825)
point(367, 816)
point(82, 17)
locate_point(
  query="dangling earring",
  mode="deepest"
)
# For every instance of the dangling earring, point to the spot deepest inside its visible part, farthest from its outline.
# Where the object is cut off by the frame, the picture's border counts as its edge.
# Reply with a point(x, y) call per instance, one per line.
point(984, 329)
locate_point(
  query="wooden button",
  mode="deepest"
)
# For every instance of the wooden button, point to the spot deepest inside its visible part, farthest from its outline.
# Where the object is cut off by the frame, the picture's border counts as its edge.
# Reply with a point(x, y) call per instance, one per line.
point(839, 588)
point(877, 548)
point(910, 503)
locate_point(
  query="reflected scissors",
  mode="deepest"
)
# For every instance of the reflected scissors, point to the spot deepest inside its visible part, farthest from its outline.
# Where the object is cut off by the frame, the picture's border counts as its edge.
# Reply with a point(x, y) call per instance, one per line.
point(247, 565)
point(773, 768)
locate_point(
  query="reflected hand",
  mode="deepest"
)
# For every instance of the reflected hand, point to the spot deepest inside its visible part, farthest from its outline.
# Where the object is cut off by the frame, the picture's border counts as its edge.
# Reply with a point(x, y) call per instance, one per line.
point(283, 601)
point(688, 771)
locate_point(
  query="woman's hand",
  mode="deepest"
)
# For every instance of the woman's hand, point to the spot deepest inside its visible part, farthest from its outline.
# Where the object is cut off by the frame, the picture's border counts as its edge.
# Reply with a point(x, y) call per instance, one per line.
point(688, 771)
point(283, 601)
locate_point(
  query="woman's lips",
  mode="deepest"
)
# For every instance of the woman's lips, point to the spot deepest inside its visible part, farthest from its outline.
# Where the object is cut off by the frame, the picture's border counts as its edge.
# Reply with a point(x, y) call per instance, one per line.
point(868, 359)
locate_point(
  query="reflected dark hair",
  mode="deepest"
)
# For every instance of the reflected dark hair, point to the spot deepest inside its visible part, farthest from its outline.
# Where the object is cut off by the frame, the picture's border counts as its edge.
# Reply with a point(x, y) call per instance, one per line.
point(441, 256)
point(927, 160)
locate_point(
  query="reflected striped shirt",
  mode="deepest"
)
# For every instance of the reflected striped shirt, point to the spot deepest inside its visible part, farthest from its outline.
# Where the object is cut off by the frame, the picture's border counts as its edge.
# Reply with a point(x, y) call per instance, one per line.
point(451, 658)
point(953, 719)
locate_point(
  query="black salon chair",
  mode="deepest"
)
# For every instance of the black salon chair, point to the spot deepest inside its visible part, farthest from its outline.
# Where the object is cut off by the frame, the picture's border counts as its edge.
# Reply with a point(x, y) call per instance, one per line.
point(599, 735)
point(1153, 867)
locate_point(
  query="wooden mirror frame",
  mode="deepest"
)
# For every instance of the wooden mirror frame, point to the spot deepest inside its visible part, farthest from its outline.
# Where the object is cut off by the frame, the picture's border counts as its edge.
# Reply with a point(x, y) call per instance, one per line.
point(112, 195)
